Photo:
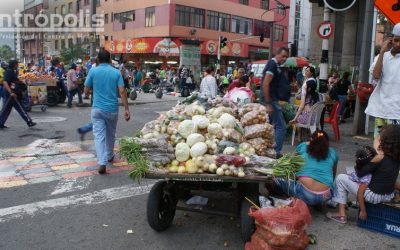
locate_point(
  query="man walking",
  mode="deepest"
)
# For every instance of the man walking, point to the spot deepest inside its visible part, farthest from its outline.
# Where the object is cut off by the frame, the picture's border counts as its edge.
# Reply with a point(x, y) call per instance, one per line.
point(105, 80)
point(275, 88)
point(13, 89)
point(72, 86)
point(384, 102)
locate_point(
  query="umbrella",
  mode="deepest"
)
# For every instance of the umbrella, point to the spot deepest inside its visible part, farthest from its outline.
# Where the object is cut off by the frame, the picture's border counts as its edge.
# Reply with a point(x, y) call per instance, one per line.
point(296, 62)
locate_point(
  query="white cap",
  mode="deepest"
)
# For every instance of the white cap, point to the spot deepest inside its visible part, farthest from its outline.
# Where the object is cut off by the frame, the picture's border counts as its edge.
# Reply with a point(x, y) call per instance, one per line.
point(396, 30)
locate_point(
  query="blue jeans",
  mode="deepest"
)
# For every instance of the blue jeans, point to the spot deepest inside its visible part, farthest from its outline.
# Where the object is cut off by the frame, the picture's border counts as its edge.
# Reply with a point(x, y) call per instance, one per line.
point(104, 128)
point(8, 105)
point(1, 95)
point(279, 123)
point(342, 101)
point(71, 95)
point(86, 128)
point(297, 189)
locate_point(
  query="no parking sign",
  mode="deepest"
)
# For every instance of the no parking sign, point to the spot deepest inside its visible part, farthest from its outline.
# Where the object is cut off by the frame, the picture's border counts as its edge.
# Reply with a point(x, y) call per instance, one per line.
point(325, 30)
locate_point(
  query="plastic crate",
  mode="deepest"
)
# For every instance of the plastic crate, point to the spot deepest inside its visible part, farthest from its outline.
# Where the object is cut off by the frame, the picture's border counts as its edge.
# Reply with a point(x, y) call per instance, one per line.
point(382, 218)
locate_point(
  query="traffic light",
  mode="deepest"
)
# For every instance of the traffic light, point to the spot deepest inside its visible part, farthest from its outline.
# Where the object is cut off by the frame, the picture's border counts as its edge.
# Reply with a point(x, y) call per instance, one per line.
point(262, 37)
point(223, 41)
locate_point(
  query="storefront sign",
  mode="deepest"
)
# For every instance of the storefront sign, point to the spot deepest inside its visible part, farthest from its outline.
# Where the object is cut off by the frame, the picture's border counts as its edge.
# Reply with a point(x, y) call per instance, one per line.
point(170, 47)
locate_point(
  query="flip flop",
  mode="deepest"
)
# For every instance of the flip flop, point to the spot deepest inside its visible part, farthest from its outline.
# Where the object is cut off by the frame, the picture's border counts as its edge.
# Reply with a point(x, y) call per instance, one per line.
point(338, 218)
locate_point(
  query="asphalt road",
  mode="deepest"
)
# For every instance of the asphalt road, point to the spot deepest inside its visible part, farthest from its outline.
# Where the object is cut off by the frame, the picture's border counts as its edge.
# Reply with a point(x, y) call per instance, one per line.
point(109, 212)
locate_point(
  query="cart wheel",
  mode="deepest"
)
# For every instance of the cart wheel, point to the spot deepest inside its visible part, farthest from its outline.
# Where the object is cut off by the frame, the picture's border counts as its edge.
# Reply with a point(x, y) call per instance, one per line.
point(52, 98)
point(161, 206)
point(43, 108)
point(247, 225)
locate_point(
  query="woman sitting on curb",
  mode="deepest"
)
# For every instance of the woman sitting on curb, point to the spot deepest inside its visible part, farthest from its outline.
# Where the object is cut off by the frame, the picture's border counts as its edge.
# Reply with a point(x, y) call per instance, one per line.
point(314, 183)
point(384, 169)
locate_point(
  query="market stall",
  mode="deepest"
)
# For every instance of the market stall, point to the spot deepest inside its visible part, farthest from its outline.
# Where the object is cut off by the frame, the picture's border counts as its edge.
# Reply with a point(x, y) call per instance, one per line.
point(203, 146)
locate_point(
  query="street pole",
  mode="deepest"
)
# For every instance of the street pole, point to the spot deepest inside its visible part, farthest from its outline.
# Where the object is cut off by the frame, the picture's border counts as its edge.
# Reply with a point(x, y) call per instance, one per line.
point(93, 34)
point(271, 40)
point(219, 44)
point(359, 115)
point(323, 68)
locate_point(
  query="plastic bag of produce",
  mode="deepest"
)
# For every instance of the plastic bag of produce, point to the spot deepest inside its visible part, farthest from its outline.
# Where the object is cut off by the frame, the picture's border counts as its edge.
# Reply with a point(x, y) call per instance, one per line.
point(252, 107)
point(261, 145)
point(224, 144)
point(254, 117)
point(150, 127)
point(281, 228)
point(239, 95)
point(231, 134)
point(258, 130)
point(230, 160)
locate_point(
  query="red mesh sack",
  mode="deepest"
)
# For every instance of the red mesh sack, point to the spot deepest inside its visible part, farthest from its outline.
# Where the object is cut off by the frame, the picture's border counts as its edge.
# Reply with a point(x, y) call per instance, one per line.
point(281, 228)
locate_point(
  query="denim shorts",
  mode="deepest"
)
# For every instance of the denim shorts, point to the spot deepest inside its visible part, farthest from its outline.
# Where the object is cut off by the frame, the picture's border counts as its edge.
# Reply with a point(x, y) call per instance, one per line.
point(298, 190)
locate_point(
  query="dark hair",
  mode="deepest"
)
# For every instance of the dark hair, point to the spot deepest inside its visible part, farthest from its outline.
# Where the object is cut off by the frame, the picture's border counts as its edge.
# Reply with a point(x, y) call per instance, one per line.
point(390, 141)
point(312, 70)
point(346, 75)
point(74, 66)
point(319, 145)
point(364, 156)
point(279, 50)
point(12, 64)
point(312, 91)
point(210, 69)
point(104, 56)
point(244, 78)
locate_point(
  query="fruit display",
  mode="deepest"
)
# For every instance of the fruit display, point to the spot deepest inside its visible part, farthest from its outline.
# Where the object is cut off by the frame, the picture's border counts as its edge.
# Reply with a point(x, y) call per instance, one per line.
point(201, 136)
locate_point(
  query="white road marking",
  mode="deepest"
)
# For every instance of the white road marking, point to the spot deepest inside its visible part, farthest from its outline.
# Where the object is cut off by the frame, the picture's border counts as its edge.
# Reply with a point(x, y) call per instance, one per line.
point(71, 185)
point(97, 197)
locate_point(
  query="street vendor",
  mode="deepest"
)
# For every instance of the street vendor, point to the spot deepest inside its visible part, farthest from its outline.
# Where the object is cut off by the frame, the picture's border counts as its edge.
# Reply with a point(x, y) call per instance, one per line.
point(314, 183)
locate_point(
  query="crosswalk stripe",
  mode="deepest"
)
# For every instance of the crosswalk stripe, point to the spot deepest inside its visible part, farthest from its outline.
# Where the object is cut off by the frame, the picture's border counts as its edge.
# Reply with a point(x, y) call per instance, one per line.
point(97, 197)
point(71, 185)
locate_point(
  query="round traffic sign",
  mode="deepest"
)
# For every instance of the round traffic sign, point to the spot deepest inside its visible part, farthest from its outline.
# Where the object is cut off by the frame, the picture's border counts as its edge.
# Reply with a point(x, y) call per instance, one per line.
point(325, 30)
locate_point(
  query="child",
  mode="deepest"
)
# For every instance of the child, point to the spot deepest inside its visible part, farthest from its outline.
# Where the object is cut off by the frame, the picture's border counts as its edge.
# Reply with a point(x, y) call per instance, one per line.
point(363, 157)
point(384, 169)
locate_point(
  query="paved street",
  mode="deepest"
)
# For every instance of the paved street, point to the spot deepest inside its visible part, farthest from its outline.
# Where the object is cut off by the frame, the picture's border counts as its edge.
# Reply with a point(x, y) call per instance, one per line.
point(53, 198)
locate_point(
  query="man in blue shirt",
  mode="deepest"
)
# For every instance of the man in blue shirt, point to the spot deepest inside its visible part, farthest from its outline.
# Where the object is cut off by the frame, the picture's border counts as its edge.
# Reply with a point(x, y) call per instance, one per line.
point(105, 80)
point(275, 88)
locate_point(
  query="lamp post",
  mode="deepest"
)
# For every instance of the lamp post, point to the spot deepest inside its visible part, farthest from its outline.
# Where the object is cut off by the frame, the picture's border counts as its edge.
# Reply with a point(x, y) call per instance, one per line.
point(271, 25)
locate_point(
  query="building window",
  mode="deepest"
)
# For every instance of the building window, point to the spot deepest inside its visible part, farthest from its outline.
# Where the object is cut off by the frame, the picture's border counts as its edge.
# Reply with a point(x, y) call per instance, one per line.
point(106, 18)
point(56, 45)
point(125, 17)
point(78, 40)
point(150, 20)
point(70, 7)
point(280, 9)
point(245, 2)
point(241, 25)
point(55, 10)
point(213, 20)
point(97, 3)
point(78, 5)
point(70, 43)
point(86, 2)
point(278, 32)
point(264, 4)
point(62, 44)
point(188, 16)
point(63, 10)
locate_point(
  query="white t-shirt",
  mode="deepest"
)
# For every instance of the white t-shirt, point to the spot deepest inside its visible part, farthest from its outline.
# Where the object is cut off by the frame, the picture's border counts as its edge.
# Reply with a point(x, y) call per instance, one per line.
point(385, 100)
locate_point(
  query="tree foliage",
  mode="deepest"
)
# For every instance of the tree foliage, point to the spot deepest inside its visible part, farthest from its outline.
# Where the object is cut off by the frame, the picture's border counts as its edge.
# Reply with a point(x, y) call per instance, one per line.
point(69, 55)
point(6, 53)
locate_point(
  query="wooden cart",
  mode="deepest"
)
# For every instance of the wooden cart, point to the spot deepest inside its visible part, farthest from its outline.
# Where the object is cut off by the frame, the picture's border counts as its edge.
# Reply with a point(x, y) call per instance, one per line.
point(165, 195)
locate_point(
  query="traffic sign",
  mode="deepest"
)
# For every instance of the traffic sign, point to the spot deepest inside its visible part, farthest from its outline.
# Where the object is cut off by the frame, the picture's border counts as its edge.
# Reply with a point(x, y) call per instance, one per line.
point(341, 5)
point(325, 30)
point(389, 8)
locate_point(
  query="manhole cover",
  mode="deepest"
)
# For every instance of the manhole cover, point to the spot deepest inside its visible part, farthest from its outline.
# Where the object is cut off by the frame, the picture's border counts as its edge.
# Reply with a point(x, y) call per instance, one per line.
point(49, 119)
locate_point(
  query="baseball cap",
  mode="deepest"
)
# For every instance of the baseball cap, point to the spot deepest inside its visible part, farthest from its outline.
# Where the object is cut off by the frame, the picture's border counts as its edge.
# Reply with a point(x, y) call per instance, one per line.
point(396, 30)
